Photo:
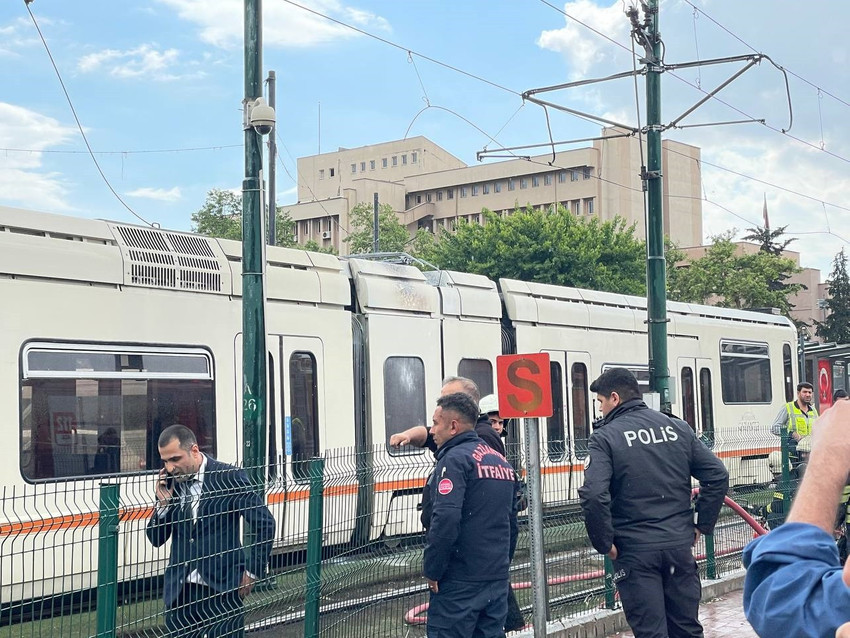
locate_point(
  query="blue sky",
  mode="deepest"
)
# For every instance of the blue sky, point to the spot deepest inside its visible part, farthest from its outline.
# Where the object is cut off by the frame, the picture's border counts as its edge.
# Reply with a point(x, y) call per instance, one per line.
point(155, 75)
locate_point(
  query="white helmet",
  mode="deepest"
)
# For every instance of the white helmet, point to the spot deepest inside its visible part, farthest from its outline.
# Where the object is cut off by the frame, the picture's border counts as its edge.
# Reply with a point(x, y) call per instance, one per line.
point(774, 462)
point(489, 404)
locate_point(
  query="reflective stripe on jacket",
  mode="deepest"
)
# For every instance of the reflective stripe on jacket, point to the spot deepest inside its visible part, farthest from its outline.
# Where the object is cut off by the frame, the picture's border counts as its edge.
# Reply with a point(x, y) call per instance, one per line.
point(798, 421)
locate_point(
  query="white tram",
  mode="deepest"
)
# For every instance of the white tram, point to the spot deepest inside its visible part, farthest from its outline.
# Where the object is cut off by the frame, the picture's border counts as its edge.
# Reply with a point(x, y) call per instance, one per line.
point(111, 332)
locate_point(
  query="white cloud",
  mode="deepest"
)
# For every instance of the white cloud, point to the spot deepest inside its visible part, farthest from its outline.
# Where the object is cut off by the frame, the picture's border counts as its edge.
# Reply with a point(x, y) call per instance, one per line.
point(284, 25)
point(582, 48)
point(23, 181)
point(15, 36)
point(143, 61)
point(159, 194)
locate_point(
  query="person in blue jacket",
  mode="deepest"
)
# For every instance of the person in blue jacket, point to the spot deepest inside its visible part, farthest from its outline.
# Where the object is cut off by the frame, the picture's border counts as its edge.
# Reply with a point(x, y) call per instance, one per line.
point(472, 531)
point(794, 584)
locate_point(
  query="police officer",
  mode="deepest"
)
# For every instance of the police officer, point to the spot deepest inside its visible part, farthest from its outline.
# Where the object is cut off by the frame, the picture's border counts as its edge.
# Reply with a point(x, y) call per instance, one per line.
point(472, 531)
point(636, 499)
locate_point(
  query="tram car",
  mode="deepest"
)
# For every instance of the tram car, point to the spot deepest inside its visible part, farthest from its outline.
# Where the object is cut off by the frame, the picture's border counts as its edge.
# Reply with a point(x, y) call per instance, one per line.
point(111, 332)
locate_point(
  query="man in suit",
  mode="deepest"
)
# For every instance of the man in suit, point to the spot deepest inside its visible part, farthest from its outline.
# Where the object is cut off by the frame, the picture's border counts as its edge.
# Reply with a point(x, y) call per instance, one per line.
point(199, 503)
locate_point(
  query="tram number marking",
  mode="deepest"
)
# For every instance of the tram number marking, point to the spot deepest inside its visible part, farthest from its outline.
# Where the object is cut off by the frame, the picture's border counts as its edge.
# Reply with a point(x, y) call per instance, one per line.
point(524, 385)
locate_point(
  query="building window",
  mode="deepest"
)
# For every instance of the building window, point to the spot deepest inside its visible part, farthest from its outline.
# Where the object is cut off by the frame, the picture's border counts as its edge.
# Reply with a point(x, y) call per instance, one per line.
point(95, 410)
point(371, 165)
point(384, 162)
point(332, 172)
point(404, 160)
point(535, 181)
point(354, 168)
point(511, 184)
point(428, 197)
point(475, 190)
point(574, 175)
point(321, 173)
point(497, 187)
point(523, 182)
point(450, 193)
point(575, 207)
point(363, 167)
point(588, 206)
point(588, 172)
point(486, 189)
point(317, 226)
point(475, 219)
point(419, 199)
point(439, 196)
point(463, 191)
point(547, 179)
point(395, 160)
point(562, 177)
point(413, 157)
point(745, 372)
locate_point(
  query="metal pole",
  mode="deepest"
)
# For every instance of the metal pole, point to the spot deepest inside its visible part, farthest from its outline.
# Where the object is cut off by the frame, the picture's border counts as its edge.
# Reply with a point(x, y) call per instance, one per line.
point(272, 167)
point(802, 339)
point(656, 266)
point(610, 591)
point(314, 549)
point(107, 560)
point(540, 598)
point(711, 557)
point(253, 297)
point(375, 242)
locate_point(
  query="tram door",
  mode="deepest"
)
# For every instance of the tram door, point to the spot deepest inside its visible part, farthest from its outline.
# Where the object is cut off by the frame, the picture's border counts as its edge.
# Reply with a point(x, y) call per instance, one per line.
point(696, 401)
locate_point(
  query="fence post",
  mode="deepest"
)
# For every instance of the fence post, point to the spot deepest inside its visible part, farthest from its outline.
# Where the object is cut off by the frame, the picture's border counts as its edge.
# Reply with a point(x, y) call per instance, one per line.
point(314, 549)
point(540, 598)
point(785, 480)
point(710, 558)
point(107, 560)
point(609, 583)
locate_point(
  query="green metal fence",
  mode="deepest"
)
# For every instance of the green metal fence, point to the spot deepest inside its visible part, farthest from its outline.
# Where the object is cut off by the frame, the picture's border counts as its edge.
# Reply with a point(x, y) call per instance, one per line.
point(346, 557)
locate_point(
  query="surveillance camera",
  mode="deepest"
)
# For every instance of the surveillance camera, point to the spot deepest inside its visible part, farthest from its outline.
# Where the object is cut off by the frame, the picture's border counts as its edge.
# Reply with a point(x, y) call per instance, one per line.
point(262, 117)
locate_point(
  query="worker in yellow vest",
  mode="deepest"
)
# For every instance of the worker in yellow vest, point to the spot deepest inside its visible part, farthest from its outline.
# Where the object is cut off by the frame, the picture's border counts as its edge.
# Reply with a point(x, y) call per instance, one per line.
point(796, 418)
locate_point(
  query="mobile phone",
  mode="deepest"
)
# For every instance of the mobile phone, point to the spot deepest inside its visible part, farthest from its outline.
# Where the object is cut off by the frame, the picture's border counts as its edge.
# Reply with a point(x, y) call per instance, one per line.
point(168, 479)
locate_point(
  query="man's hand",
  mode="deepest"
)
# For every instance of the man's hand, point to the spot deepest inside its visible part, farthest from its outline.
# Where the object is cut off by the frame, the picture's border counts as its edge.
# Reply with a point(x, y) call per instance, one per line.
point(246, 586)
point(433, 586)
point(796, 435)
point(397, 440)
point(415, 436)
point(697, 535)
point(163, 491)
point(613, 553)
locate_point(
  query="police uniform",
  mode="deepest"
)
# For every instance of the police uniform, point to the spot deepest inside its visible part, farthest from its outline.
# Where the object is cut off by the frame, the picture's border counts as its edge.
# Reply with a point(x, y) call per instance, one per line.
point(471, 539)
point(637, 496)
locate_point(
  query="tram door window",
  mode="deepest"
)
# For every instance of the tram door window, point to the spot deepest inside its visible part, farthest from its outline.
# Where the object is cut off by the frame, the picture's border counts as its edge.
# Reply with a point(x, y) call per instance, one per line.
point(555, 432)
point(97, 410)
point(480, 371)
point(706, 406)
point(404, 398)
point(303, 411)
point(689, 412)
point(581, 409)
point(745, 372)
point(788, 372)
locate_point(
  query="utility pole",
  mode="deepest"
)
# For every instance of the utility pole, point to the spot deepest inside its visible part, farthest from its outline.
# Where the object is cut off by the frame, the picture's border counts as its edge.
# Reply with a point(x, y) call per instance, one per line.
point(656, 271)
point(253, 297)
point(272, 166)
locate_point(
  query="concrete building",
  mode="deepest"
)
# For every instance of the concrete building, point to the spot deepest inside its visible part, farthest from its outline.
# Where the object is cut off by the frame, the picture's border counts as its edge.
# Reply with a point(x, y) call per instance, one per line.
point(428, 187)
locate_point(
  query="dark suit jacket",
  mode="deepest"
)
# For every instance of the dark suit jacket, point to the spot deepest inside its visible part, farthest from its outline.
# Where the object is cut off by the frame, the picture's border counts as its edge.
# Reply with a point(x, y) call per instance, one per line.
point(211, 544)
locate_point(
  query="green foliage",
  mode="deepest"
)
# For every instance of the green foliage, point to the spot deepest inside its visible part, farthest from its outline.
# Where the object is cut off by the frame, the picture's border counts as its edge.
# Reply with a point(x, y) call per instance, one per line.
point(769, 240)
point(726, 278)
point(836, 327)
point(392, 235)
point(313, 246)
point(221, 216)
point(553, 247)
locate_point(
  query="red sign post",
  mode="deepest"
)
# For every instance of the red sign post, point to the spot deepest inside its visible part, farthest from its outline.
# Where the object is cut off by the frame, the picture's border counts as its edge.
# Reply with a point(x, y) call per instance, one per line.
point(524, 385)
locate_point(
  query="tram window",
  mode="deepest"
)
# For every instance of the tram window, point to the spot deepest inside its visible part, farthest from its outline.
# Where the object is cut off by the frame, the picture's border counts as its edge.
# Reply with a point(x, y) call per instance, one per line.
point(480, 371)
point(100, 411)
point(555, 439)
point(745, 372)
point(272, 431)
point(689, 413)
point(581, 409)
point(788, 372)
point(303, 411)
point(404, 397)
point(706, 406)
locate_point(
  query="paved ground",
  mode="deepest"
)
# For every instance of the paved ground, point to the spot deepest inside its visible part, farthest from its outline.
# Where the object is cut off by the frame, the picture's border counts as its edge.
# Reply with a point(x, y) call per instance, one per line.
point(721, 617)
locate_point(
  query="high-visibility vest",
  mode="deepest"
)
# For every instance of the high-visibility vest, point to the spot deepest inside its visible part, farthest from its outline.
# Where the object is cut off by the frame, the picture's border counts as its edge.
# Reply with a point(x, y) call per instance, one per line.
point(798, 421)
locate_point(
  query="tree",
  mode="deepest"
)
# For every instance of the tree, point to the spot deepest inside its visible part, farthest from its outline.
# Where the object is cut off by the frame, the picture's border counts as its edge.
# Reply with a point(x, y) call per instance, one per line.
point(768, 239)
point(836, 327)
point(725, 277)
point(551, 246)
point(221, 216)
point(392, 235)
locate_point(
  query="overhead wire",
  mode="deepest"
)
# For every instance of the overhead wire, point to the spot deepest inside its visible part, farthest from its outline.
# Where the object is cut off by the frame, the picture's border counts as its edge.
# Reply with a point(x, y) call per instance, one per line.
point(77, 120)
